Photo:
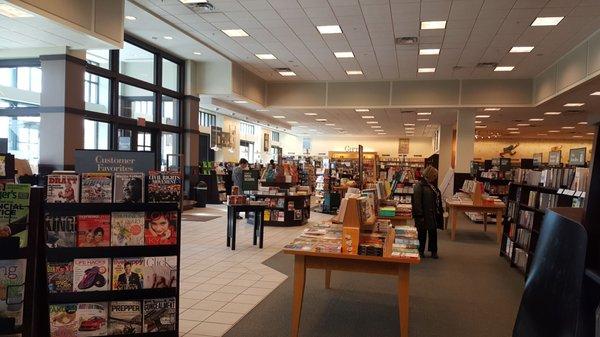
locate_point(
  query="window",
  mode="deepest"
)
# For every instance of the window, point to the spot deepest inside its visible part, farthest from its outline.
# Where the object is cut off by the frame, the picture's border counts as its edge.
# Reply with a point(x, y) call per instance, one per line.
point(95, 135)
point(170, 110)
point(169, 144)
point(137, 63)
point(246, 128)
point(135, 102)
point(144, 141)
point(24, 78)
point(170, 75)
point(96, 93)
point(275, 136)
point(98, 57)
point(23, 137)
point(207, 120)
point(124, 139)
point(247, 150)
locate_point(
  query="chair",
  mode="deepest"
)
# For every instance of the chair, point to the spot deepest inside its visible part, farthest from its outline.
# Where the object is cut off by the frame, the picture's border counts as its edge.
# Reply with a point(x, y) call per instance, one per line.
point(552, 296)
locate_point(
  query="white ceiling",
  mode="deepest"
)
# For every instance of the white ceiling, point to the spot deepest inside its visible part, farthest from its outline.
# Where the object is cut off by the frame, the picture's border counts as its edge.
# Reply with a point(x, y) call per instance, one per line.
point(477, 31)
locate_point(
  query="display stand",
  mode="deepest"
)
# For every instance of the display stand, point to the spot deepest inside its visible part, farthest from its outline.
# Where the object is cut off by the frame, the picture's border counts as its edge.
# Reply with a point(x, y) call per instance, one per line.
point(290, 216)
point(213, 187)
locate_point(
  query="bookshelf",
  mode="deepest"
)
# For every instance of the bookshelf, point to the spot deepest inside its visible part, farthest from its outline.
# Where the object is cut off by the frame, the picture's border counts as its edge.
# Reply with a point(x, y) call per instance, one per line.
point(283, 209)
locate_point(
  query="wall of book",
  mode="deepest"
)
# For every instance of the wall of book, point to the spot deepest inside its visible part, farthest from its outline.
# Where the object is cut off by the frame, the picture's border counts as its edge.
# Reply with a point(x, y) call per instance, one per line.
point(110, 265)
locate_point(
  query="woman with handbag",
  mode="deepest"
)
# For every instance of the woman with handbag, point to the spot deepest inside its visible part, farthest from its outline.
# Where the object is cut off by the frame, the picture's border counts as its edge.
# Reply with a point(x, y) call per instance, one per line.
point(427, 210)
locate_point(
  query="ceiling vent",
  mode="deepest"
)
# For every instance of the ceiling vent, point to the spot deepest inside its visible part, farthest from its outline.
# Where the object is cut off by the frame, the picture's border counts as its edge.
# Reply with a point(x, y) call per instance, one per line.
point(202, 6)
point(282, 69)
point(456, 68)
point(407, 111)
point(573, 111)
point(487, 64)
point(407, 40)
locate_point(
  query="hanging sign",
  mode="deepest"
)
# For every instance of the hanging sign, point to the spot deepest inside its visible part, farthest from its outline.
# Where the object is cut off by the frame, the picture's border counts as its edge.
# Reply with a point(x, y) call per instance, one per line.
point(113, 161)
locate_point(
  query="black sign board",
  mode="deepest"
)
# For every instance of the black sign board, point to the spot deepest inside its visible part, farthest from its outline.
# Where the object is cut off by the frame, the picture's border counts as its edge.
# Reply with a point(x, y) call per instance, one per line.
point(3, 145)
point(577, 156)
point(554, 158)
point(250, 182)
point(537, 159)
point(113, 161)
point(505, 164)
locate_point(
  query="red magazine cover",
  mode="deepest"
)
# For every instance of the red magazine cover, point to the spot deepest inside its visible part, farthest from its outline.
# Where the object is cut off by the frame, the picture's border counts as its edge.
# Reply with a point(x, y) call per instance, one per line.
point(161, 228)
point(93, 230)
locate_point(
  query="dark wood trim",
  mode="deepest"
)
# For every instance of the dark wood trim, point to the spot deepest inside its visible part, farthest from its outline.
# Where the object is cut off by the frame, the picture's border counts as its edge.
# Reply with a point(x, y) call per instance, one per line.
point(192, 97)
point(20, 111)
point(28, 62)
point(63, 57)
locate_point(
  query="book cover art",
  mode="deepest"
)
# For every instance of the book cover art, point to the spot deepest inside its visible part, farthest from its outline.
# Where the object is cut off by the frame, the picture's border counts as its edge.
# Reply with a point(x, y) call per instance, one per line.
point(128, 273)
point(96, 187)
point(92, 319)
point(93, 230)
point(267, 215)
point(160, 272)
point(161, 228)
point(127, 228)
point(62, 188)
point(124, 317)
point(159, 315)
point(290, 206)
point(61, 231)
point(12, 289)
point(60, 277)
point(281, 216)
point(14, 212)
point(164, 186)
point(280, 203)
point(91, 274)
point(63, 320)
point(129, 187)
point(298, 214)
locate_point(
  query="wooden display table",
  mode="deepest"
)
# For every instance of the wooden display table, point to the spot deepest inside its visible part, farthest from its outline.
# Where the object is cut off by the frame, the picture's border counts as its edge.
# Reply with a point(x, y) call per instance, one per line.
point(457, 206)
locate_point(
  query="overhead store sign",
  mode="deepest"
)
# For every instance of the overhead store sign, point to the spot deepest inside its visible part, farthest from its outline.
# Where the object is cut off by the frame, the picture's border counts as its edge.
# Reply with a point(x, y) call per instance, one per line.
point(403, 145)
point(113, 161)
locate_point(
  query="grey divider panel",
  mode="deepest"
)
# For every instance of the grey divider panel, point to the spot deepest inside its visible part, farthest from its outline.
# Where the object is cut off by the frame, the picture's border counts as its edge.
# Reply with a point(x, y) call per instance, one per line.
point(426, 93)
point(573, 67)
point(296, 94)
point(545, 84)
point(497, 92)
point(358, 94)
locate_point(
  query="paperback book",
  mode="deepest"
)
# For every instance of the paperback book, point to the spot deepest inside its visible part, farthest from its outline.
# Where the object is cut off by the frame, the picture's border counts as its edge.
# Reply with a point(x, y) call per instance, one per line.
point(62, 188)
point(63, 320)
point(124, 317)
point(164, 186)
point(93, 230)
point(127, 228)
point(160, 272)
point(91, 274)
point(14, 211)
point(159, 315)
point(60, 277)
point(92, 319)
point(129, 187)
point(96, 187)
point(127, 273)
point(161, 228)
point(12, 288)
point(61, 231)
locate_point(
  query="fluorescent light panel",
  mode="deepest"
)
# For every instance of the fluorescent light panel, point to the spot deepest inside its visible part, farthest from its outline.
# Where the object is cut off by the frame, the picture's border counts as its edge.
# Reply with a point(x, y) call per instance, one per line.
point(354, 72)
point(240, 102)
point(329, 29)
point(423, 113)
point(595, 93)
point(547, 21)
point(552, 113)
point(433, 24)
point(287, 73)
point(279, 117)
point(422, 119)
point(574, 104)
point(361, 110)
point(130, 17)
point(504, 68)
point(310, 113)
point(426, 70)
point(321, 120)
point(568, 127)
point(429, 51)
point(521, 49)
point(368, 117)
point(13, 11)
point(372, 122)
point(344, 54)
point(523, 124)
point(235, 32)
point(491, 109)
point(482, 116)
point(266, 56)
point(536, 119)
point(168, 37)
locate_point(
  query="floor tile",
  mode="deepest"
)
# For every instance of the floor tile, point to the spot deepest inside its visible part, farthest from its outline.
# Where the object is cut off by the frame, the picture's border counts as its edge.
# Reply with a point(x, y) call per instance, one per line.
point(240, 308)
point(218, 296)
point(248, 299)
point(211, 329)
point(224, 317)
point(196, 315)
point(209, 305)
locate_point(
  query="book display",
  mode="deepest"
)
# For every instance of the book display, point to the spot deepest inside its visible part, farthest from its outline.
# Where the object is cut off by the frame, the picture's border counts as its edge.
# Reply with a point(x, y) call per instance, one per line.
point(347, 165)
point(284, 207)
point(112, 268)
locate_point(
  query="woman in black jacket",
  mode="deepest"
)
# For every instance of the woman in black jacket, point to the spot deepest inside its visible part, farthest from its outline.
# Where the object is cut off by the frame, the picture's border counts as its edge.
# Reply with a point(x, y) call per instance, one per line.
point(427, 210)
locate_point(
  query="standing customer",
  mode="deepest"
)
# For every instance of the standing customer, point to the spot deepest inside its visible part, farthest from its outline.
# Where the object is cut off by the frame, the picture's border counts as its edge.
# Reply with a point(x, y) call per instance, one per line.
point(237, 176)
point(427, 210)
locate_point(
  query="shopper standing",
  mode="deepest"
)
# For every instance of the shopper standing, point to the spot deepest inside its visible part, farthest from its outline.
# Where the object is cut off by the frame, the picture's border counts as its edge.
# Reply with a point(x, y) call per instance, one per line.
point(237, 176)
point(427, 210)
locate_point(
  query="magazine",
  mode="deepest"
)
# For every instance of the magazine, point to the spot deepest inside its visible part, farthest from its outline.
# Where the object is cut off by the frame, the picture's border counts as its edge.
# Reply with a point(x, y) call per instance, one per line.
point(164, 186)
point(91, 274)
point(93, 230)
point(61, 231)
point(14, 211)
point(127, 228)
point(63, 320)
point(96, 187)
point(159, 315)
point(129, 187)
point(60, 277)
point(92, 319)
point(161, 228)
point(127, 273)
point(12, 288)
point(124, 317)
point(62, 187)
point(160, 272)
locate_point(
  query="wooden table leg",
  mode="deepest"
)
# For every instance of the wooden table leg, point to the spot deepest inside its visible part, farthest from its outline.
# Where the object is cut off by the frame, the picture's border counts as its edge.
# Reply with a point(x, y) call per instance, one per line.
point(484, 221)
point(498, 226)
point(327, 278)
point(453, 223)
point(299, 281)
point(403, 297)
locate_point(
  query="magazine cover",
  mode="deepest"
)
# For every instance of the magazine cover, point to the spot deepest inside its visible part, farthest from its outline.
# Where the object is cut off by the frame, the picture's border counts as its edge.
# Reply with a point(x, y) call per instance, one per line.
point(127, 273)
point(159, 315)
point(124, 317)
point(91, 274)
point(164, 186)
point(14, 211)
point(63, 320)
point(62, 188)
point(93, 230)
point(127, 228)
point(96, 187)
point(160, 272)
point(129, 187)
point(60, 277)
point(61, 231)
point(12, 287)
point(161, 228)
point(298, 214)
point(92, 319)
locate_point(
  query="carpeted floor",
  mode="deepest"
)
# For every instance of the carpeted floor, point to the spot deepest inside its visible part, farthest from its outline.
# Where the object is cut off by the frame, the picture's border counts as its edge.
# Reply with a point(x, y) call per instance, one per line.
point(469, 292)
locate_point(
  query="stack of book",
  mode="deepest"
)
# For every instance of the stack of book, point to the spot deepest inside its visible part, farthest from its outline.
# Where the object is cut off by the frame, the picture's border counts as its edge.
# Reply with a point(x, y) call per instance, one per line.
point(548, 200)
point(322, 238)
point(406, 243)
point(532, 201)
point(526, 219)
point(404, 209)
point(387, 211)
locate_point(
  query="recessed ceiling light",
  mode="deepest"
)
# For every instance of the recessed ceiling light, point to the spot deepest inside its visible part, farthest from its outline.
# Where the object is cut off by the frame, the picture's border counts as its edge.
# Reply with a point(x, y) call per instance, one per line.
point(433, 24)
point(383, 133)
point(372, 122)
point(521, 49)
point(193, 1)
point(425, 113)
point(409, 124)
point(542, 134)
point(482, 116)
point(240, 102)
point(552, 113)
point(266, 56)
point(574, 104)
point(279, 117)
point(354, 72)
point(480, 126)
point(13, 11)
point(368, 117)
point(429, 51)
point(422, 119)
point(595, 93)
point(426, 70)
point(512, 129)
point(197, 53)
point(523, 124)
point(590, 133)
point(312, 130)
point(577, 136)
point(504, 68)
point(287, 73)
point(583, 123)
point(568, 127)
point(478, 122)
point(554, 131)
point(515, 132)
point(536, 119)
point(375, 126)
point(293, 122)
point(338, 129)
point(310, 114)
point(491, 109)
point(344, 54)
point(321, 120)
point(361, 110)
point(235, 32)
point(547, 21)
point(301, 126)
point(409, 128)
point(262, 110)
point(168, 37)
point(329, 29)
point(330, 124)
point(130, 17)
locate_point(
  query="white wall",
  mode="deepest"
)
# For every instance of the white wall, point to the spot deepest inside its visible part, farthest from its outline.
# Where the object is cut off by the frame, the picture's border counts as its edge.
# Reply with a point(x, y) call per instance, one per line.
point(417, 145)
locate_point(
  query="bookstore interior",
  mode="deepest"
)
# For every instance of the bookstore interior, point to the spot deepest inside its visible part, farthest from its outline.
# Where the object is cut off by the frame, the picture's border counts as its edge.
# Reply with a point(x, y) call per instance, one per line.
point(299, 167)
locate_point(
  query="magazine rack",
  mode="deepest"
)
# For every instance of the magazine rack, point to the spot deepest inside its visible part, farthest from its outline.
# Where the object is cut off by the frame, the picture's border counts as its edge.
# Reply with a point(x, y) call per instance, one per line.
point(68, 254)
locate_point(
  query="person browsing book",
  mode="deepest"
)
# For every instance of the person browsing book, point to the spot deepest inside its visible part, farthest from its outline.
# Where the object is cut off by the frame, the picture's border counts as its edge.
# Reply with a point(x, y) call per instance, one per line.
point(238, 177)
point(427, 211)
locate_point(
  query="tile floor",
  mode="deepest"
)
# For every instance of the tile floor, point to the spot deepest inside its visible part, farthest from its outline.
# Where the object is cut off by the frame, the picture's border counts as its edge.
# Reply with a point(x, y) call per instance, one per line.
point(218, 285)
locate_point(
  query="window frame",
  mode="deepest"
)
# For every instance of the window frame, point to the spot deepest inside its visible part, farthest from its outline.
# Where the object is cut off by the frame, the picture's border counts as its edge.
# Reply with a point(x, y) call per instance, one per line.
point(207, 119)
